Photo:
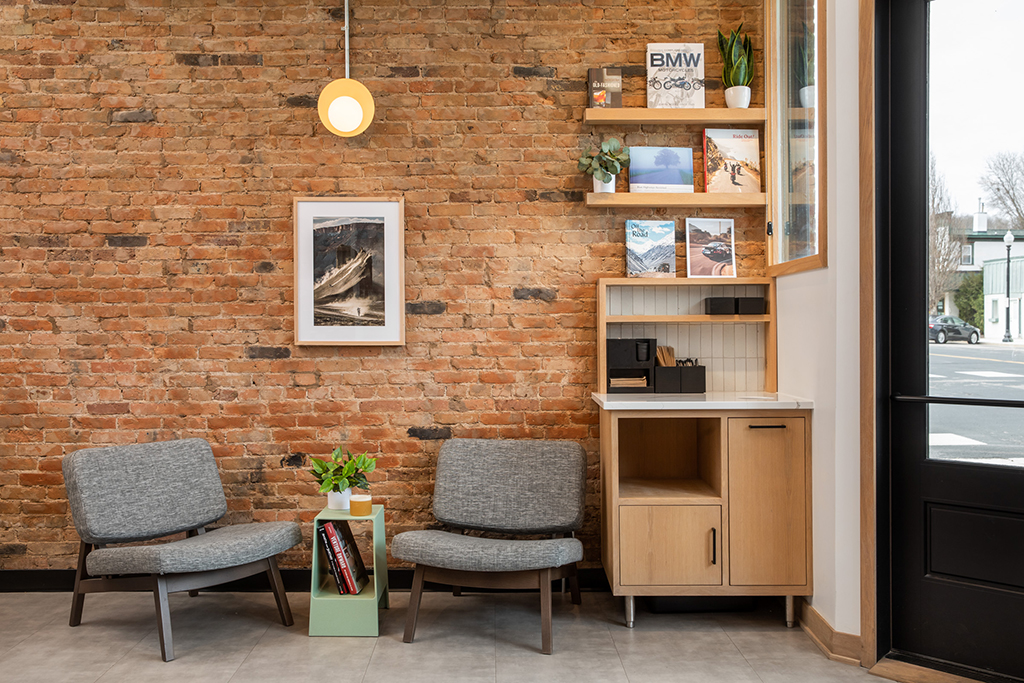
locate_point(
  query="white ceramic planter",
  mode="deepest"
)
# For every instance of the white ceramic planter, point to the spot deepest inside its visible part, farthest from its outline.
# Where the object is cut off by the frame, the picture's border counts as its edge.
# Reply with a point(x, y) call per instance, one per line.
point(339, 500)
point(604, 187)
point(737, 97)
point(808, 96)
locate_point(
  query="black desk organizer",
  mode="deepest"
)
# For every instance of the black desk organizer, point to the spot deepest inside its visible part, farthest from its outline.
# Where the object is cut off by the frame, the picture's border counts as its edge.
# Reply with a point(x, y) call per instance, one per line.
point(636, 358)
point(731, 305)
point(631, 358)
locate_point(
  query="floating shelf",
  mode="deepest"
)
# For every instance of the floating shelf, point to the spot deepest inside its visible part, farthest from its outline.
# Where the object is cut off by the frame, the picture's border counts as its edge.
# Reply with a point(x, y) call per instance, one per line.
point(652, 491)
point(688, 318)
point(681, 199)
point(682, 280)
point(635, 115)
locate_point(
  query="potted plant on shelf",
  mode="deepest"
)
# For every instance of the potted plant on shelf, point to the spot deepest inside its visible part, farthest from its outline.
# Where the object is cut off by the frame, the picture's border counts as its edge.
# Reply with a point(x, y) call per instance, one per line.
point(805, 68)
point(340, 474)
point(737, 68)
point(605, 164)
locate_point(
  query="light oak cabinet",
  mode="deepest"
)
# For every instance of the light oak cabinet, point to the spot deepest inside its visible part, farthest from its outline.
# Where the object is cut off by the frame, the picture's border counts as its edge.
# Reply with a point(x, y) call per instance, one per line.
point(707, 501)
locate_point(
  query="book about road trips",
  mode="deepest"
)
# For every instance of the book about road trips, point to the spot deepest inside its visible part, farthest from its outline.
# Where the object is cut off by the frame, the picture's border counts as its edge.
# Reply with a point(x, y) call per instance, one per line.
point(651, 248)
point(675, 75)
point(660, 169)
point(605, 87)
point(710, 247)
point(732, 160)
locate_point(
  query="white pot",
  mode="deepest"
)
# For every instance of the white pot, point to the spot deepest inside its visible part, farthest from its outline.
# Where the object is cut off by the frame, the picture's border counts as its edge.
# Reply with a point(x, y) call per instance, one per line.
point(604, 187)
point(737, 97)
point(808, 96)
point(339, 500)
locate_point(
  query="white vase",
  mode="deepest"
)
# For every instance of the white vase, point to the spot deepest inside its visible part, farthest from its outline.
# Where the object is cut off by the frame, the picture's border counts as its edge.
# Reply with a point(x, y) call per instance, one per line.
point(604, 187)
point(737, 97)
point(339, 500)
point(808, 96)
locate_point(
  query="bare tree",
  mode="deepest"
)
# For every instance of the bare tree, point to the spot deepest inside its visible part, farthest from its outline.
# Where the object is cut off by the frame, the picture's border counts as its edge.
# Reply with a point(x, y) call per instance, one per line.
point(1004, 186)
point(945, 240)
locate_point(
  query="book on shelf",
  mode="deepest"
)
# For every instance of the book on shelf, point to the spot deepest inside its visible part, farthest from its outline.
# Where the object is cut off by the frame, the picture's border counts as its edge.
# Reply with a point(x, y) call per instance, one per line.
point(675, 75)
point(660, 169)
point(732, 160)
point(339, 554)
point(605, 87)
point(329, 559)
point(650, 248)
point(359, 573)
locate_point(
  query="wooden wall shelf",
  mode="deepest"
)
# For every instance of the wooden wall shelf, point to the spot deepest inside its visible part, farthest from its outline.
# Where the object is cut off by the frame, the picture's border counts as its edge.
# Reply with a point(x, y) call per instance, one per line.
point(700, 200)
point(636, 115)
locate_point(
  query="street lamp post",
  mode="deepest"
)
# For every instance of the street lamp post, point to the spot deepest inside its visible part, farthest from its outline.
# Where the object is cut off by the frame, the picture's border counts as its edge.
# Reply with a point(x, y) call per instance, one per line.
point(1008, 241)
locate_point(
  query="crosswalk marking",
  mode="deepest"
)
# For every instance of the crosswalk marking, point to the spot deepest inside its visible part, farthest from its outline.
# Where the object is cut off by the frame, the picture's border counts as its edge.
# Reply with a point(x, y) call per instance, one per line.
point(946, 439)
point(986, 373)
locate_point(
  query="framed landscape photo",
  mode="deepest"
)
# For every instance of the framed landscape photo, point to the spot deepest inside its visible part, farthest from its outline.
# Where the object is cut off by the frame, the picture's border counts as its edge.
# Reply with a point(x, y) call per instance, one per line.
point(710, 247)
point(349, 271)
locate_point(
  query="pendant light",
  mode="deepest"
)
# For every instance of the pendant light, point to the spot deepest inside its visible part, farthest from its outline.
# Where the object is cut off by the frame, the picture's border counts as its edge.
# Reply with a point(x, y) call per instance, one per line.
point(345, 105)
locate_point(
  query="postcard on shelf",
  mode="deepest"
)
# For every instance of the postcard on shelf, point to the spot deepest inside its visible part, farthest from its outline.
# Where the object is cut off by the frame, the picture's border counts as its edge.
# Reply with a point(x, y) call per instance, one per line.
point(660, 169)
point(675, 75)
point(710, 247)
point(651, 248)
point(605, 87)
point(732, 160)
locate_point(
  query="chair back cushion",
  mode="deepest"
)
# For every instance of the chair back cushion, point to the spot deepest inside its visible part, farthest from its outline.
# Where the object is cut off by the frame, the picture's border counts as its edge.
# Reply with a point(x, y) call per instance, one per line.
point(515, 487)
point(137, 492)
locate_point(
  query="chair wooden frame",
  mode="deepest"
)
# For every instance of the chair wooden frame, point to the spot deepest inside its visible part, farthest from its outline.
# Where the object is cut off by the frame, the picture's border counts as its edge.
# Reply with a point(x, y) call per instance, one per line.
point(458, 579)
point(163, 584)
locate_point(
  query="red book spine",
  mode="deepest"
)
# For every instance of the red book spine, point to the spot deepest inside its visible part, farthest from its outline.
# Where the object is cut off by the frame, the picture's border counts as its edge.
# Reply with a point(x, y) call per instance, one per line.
point(346, 573)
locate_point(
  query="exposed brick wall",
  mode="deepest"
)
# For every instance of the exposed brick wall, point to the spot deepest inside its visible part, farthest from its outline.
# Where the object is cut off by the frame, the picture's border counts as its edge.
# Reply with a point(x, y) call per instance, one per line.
point(149, 154)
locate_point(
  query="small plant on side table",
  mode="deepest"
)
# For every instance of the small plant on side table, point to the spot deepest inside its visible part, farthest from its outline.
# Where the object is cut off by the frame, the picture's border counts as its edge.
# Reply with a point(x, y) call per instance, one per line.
point(340, 474)
point(604, 164)
point(737, 68)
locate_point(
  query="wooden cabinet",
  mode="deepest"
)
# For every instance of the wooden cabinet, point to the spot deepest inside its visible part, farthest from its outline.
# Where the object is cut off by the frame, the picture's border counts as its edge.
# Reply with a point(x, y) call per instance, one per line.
point(705, 500)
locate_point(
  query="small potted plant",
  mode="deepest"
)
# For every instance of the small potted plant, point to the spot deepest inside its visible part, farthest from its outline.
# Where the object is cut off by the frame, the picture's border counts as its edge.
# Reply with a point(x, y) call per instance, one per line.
point(340, 474)
point(605, 164)
point(737, 68)
point(804, 68)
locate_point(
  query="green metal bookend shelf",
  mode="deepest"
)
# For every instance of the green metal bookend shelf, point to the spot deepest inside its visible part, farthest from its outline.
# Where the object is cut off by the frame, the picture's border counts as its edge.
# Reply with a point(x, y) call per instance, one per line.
point(331, 614)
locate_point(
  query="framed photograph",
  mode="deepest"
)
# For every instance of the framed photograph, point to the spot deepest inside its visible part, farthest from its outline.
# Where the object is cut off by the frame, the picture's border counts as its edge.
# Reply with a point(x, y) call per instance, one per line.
point(710, 247)
point(349, 271)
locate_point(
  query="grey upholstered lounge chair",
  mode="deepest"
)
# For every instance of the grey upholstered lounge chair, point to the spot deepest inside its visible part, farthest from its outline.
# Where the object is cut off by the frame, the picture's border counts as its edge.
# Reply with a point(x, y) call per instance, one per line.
point(508, 487)
point(124, 494)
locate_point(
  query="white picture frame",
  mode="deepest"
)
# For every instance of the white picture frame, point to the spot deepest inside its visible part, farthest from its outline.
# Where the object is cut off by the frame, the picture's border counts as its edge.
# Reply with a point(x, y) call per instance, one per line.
point(349, 263)
point(717, 235)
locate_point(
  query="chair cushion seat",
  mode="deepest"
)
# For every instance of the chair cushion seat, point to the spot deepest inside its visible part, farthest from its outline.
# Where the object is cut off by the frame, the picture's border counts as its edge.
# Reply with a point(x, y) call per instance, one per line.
point(227, 546)
point(470, 553)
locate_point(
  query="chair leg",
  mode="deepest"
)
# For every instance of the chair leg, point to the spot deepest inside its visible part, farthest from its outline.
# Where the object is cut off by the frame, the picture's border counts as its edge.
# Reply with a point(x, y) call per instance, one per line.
point(457, 591)
point(545, 611)
point(163, 617)
point(414, 604)
point(78, 598)
point(277, 585)
point(574, 586)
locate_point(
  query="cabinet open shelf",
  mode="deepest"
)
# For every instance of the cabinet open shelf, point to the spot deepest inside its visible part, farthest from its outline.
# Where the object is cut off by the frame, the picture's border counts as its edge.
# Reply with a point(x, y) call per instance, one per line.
point(666, 491)
point(688, 318)
point(701, 200)
point(632, 115)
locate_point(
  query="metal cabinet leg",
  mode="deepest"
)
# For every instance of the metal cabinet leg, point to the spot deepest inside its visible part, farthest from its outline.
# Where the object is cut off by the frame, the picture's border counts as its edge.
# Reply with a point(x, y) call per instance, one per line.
point(630, 611)
point(790, 611)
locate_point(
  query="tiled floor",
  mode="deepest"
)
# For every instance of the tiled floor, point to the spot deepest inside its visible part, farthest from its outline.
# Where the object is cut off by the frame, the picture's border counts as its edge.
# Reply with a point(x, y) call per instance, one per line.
point(477, 637)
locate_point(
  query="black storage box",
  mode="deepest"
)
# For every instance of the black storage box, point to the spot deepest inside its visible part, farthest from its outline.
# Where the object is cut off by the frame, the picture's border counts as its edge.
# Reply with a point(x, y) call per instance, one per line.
point(632, 358)
point(688, 379)
point(720, 305)
point(750, 305)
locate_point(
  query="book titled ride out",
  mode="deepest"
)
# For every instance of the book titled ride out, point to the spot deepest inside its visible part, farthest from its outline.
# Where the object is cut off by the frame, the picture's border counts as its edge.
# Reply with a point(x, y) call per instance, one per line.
point(675, 75)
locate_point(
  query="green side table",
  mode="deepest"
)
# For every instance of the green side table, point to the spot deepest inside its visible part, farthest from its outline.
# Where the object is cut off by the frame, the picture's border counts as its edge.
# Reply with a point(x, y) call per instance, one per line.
point(331, 614)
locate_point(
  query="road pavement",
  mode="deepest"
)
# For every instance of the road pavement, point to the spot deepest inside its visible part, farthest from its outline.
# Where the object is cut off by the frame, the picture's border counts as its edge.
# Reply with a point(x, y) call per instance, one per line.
point(701, 265)
point(988, 370)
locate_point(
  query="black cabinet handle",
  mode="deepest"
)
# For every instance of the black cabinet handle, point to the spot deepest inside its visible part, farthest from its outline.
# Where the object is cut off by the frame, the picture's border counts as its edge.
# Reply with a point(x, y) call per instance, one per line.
point(714, 545)
point(766, 426)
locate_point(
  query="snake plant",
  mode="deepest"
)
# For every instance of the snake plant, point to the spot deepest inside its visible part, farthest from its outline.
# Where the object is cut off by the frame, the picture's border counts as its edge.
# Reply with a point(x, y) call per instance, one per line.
point(737, 58)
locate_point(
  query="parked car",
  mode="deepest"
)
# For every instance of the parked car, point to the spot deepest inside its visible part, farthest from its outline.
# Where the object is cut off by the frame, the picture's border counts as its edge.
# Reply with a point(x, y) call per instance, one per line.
point(943, 328)
point(716, 251)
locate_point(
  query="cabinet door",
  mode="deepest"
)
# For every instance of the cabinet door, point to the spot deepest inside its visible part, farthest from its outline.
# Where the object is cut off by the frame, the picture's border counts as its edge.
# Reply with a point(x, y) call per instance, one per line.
point(767, 502)
point(670, 545)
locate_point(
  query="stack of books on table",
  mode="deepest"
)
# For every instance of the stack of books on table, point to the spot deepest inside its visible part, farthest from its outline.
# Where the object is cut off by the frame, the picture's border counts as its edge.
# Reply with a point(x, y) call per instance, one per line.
point(343, 558)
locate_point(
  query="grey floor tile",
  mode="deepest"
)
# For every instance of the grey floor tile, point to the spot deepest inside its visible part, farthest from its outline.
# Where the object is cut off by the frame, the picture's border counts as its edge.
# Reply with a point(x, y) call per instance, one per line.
point(775, 644)
point(801, 670)
point(22, 614)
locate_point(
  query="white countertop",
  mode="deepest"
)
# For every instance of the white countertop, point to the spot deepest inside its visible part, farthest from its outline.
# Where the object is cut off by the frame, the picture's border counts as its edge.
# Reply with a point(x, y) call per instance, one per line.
point(713, 400)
